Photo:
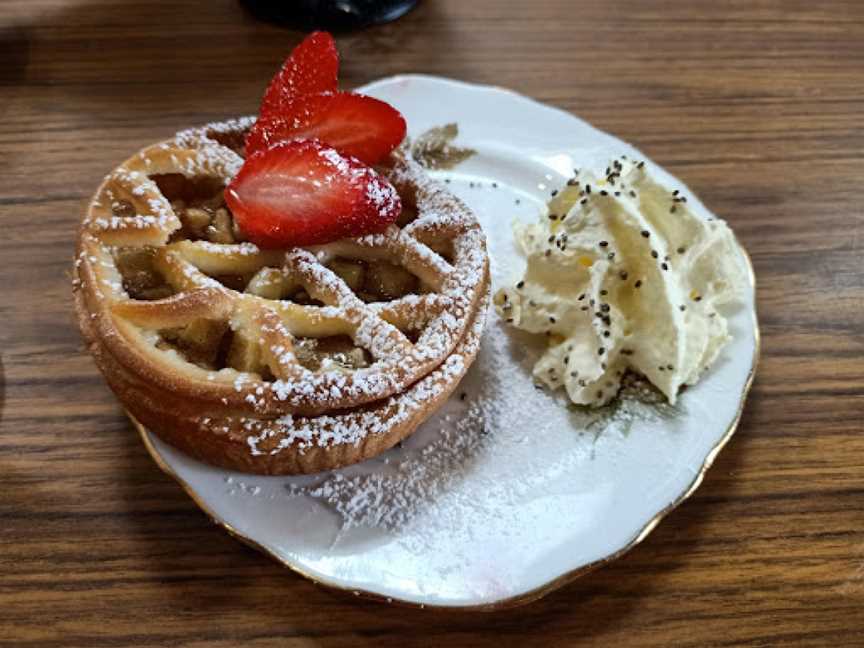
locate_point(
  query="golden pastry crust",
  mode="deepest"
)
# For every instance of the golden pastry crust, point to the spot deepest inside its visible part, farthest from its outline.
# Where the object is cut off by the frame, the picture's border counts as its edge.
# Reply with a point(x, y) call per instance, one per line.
point(206, 339)
point(287, 445)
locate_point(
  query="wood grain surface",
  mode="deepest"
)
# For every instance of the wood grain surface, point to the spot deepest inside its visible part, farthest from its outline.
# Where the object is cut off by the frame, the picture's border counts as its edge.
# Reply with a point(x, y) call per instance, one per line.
point(757, 104)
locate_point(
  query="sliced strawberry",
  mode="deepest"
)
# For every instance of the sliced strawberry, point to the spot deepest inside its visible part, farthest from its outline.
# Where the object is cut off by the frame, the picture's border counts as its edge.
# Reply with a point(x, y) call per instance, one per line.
point(311, 68)
point(306, 193)
point(353, 124)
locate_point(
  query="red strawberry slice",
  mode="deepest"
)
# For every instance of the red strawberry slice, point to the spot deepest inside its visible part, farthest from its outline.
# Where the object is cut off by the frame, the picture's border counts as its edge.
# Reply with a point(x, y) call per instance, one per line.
point(306, 193)
point(353, 124)
point(311, 68)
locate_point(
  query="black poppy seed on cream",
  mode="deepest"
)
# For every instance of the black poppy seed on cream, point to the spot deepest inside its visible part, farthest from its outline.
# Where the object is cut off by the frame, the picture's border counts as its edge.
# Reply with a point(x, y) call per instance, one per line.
point(604, 244)
point(665, 266)
point(520, 284)
point(655, 254)
point(638, 283)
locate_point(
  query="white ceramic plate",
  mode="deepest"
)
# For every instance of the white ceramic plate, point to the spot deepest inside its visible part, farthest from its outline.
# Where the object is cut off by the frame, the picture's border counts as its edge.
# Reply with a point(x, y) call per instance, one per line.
point(506, 494)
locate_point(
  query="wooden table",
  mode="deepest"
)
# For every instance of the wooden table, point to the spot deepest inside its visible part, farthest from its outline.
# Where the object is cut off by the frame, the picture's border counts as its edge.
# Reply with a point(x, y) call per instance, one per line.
point(757, 104)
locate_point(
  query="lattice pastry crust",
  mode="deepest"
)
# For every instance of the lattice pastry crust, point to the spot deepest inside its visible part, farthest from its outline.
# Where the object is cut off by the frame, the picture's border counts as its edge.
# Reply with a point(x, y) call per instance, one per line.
point(198, 331)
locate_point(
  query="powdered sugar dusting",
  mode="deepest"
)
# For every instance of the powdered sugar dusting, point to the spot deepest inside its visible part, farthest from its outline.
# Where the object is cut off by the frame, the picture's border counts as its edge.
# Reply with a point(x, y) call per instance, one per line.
point(500, 415)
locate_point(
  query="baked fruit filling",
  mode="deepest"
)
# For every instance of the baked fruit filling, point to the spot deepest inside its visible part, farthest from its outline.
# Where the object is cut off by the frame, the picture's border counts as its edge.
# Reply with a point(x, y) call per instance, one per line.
point(211, 344)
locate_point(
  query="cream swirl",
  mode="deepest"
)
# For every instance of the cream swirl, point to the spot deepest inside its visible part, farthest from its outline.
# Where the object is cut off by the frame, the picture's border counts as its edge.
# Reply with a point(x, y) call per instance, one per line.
point(621, 274)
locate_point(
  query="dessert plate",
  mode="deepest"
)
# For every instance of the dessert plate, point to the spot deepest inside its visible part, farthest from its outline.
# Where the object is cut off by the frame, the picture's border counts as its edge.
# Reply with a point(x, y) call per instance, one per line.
point(505, 493)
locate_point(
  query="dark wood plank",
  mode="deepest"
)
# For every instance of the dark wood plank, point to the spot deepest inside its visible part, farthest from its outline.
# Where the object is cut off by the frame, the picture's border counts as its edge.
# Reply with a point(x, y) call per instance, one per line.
point(756, 104)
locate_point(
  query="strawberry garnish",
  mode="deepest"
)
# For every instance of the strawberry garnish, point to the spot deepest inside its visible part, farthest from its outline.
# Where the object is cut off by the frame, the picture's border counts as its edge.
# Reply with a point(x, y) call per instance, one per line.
point(306, 193)
point(311, 68)
point(354, 124)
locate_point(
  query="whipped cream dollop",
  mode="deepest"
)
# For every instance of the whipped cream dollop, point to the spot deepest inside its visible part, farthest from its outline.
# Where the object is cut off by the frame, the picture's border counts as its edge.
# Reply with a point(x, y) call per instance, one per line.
point(620, 275)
